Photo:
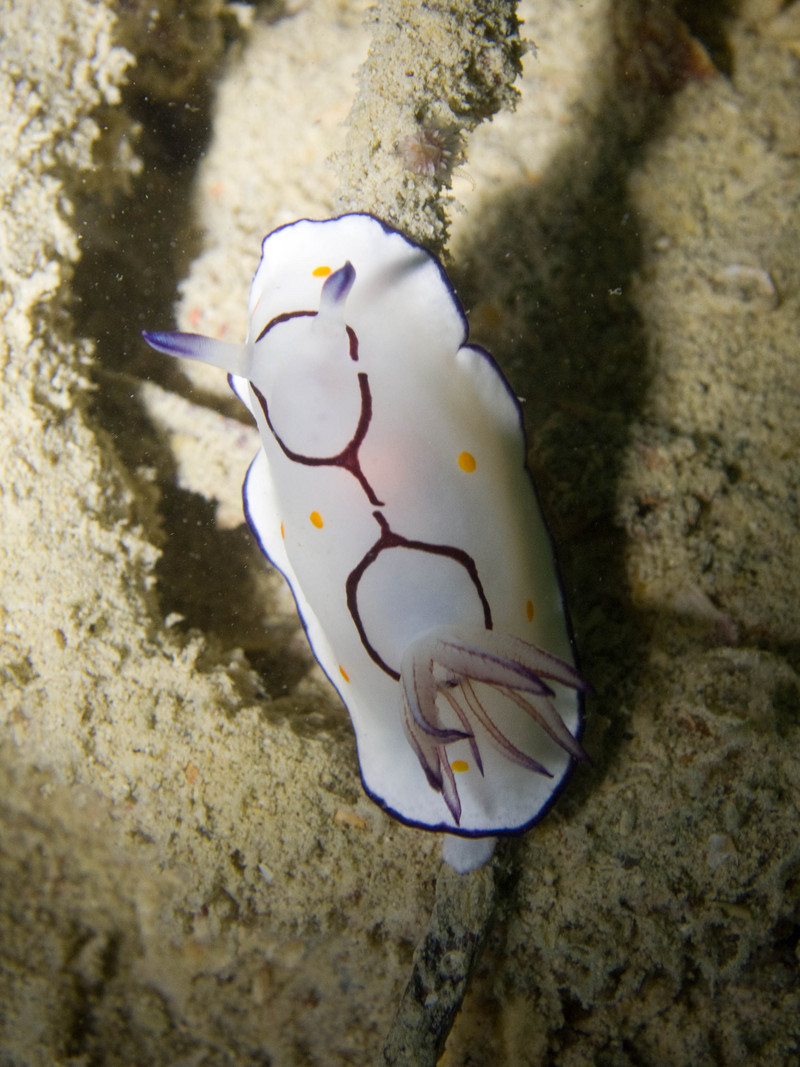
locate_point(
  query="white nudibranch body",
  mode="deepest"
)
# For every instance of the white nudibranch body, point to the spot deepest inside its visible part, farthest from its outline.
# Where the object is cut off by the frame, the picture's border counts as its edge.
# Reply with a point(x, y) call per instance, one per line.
point(391, 492)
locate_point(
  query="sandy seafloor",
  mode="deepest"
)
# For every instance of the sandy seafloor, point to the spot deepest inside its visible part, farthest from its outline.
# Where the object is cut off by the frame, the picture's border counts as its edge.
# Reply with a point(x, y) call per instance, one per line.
point(189, 871)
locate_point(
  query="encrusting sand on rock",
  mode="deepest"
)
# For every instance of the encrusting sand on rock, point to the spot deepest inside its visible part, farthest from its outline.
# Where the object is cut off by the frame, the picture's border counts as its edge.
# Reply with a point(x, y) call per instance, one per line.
point(189, 870)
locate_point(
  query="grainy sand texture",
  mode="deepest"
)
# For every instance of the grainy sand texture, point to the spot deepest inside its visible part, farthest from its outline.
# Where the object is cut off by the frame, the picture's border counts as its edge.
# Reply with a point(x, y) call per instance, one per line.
point(190, 873)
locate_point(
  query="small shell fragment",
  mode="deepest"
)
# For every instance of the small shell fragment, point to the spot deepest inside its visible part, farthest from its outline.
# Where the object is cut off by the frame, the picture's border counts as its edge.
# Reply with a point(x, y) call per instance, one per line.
point(739, 287)
point(349, 818)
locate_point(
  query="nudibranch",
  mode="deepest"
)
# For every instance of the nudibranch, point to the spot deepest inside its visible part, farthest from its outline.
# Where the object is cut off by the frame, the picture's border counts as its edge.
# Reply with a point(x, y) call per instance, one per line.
point(392, 493)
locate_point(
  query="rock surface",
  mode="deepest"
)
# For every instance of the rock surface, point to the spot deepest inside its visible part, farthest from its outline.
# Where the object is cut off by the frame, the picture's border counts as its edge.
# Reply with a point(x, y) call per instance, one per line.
point(189, 871)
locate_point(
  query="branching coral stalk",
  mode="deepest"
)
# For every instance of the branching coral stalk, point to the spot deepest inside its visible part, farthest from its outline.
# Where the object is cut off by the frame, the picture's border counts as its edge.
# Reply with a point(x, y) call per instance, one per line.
point(434, 72)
